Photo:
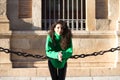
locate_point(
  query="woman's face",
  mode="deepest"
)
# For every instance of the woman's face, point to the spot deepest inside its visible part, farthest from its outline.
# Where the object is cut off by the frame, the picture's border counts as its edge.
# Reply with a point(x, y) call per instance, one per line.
point(58, 29)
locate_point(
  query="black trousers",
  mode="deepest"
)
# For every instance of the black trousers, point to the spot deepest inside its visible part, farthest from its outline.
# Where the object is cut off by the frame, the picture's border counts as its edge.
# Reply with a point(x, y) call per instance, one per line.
point(57, 74)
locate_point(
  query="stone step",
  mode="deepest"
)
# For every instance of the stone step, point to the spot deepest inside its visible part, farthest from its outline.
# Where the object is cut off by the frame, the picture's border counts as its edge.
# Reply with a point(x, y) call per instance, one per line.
point(67, 78)
point(72, 63)
point(35, 72)
point(71, 71)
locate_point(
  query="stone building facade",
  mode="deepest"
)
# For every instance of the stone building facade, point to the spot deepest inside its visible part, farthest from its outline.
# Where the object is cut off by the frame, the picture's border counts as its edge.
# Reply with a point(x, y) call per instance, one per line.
point(26, 35)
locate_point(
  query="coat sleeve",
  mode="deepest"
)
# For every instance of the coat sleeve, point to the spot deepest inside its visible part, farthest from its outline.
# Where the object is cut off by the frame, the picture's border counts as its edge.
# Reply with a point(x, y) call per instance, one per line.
point(49, 48)
point(68, 52)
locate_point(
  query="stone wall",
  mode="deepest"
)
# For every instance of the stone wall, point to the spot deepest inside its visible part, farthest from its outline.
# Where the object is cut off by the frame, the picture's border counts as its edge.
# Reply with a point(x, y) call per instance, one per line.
point(4, 36)
point(83, 43)
point(104, 37)
point(17, 23)
point(2, 7)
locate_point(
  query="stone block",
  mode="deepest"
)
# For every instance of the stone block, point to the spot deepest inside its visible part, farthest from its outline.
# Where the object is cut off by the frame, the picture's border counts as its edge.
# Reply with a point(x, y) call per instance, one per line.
point(5, 61)
point(95, 43)
point(4, 24)
point(102, 24)
point(18, 72)
point(106, 71)
point(77, 72)
point(43, 72)
point(20, 43)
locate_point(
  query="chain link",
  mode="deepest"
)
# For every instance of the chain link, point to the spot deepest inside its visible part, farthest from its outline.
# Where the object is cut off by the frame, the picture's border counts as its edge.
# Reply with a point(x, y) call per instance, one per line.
point(45, 57)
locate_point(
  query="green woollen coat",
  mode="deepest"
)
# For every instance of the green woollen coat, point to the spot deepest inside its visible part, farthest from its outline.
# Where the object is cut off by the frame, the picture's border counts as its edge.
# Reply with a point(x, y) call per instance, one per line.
point(53, 50)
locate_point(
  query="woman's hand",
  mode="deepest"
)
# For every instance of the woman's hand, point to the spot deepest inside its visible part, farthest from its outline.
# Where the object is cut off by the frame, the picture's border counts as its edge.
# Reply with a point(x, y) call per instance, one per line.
point(60, 56)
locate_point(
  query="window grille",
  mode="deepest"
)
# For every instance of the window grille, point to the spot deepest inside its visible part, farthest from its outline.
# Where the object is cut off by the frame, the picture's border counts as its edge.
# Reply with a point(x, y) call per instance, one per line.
point(71, 11)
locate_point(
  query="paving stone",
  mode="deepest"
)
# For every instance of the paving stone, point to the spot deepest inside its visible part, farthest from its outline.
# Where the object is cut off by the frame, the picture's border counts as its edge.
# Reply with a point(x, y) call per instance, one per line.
point(67, 78)
point(38, 78)
point(107, 78)
point(15, 78)
point(79, 78)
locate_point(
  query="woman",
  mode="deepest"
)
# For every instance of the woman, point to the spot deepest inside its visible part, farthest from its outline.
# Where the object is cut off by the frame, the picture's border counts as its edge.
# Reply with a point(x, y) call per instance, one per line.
point(58, 49)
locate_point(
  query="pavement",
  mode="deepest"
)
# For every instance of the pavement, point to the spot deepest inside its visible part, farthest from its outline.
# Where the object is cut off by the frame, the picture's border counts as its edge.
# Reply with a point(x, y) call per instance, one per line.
point(67, 78)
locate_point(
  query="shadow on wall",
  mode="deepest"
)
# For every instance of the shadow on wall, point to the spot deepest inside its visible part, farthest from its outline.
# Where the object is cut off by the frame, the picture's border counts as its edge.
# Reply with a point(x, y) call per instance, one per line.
point(24, 38)
point(16, 23)
point(29, 42)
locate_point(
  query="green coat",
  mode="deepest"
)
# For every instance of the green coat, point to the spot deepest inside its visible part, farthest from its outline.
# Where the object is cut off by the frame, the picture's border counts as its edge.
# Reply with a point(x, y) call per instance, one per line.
point(53, 50)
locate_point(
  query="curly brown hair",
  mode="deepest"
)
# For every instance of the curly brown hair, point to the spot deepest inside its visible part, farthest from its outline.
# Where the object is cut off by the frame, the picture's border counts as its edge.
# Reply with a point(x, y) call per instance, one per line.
point(66, 34)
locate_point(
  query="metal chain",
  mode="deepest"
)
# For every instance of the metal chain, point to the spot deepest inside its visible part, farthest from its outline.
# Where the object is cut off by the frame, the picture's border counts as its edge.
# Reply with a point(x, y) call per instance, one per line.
point(22, 53)
point(96, 53)
point(45, 57)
